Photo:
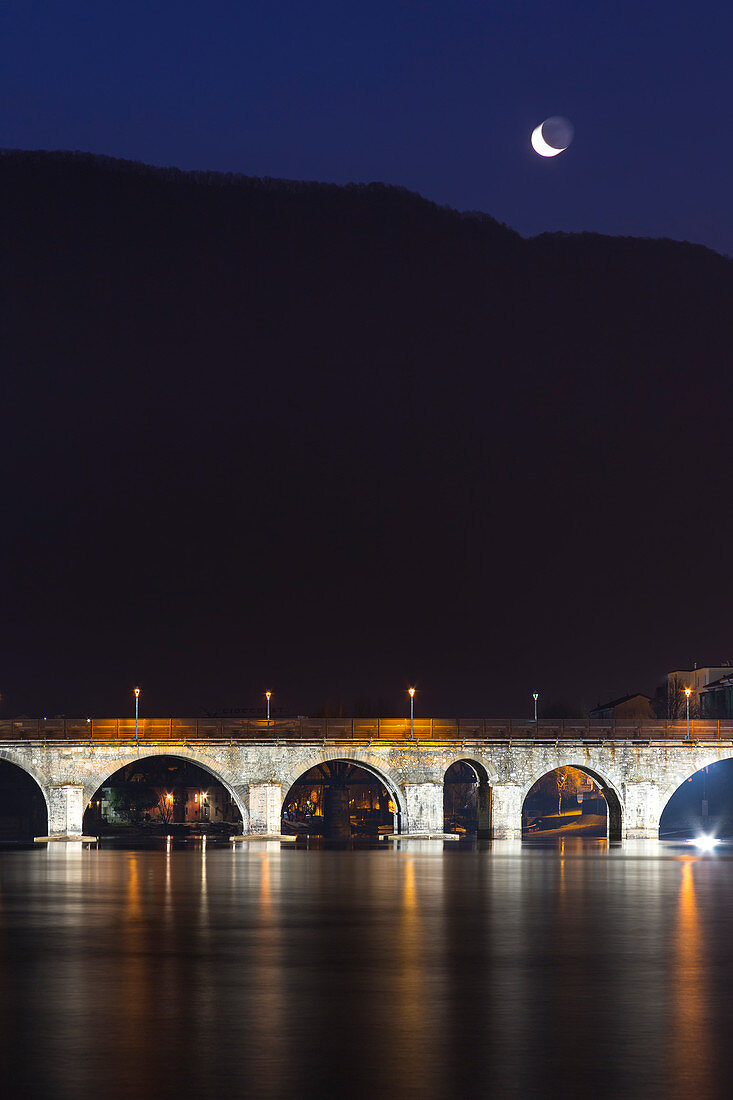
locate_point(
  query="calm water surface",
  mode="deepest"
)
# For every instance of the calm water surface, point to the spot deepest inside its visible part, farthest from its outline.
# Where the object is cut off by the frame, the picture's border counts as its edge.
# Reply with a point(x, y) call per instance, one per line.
point(421, 970)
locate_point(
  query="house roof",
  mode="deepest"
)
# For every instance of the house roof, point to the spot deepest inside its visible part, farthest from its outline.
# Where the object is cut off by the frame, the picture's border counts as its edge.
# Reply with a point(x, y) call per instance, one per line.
point(622, 699)
point(724, 681)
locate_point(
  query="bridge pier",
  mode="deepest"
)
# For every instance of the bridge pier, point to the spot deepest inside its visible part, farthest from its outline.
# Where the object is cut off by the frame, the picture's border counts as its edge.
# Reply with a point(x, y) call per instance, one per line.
point(424, 804)
point(65, 813)
point(643, 810)
point(265, 808)
point(483, 809)
point(336, 823)
point(506, 811)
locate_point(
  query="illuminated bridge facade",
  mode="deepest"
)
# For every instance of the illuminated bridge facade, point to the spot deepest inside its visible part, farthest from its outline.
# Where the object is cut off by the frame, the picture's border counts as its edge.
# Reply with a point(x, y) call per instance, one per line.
point(638, 765)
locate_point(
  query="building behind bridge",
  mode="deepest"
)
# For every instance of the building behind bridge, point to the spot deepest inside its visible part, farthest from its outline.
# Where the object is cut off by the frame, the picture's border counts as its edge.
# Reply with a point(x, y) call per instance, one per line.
point(716, 699)
point(627, 706)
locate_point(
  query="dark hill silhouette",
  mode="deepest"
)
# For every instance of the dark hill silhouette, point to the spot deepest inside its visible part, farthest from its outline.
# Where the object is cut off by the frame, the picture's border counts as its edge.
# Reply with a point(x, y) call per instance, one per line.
point(341, 435)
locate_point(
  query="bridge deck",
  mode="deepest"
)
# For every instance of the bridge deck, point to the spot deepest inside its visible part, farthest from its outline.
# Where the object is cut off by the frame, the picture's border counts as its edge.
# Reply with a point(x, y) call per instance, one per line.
point(363, 729)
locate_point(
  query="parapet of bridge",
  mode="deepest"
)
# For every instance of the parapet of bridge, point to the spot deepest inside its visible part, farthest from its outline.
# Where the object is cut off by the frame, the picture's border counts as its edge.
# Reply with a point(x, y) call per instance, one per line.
point(637, 764)
point(365, 729)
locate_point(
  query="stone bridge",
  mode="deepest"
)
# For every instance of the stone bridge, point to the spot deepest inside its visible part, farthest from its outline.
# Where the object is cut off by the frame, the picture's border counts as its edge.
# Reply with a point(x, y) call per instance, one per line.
point(637, 778)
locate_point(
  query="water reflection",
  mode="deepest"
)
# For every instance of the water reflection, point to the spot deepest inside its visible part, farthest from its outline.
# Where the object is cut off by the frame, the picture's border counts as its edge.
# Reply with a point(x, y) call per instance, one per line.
point(411, 995)
point(693, 1055)
point(269, 1015)
point(413, 970)
point(135, 972)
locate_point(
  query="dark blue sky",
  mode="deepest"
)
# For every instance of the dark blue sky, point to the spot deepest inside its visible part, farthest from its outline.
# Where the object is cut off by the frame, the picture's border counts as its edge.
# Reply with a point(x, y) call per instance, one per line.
point(437, 96)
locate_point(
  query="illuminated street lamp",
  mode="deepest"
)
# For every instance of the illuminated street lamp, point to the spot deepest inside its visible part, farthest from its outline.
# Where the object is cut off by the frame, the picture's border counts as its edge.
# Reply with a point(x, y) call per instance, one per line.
point(137, 702)
point(688, 692)
point(268, 695)
point(535, 696)
point(411, 692)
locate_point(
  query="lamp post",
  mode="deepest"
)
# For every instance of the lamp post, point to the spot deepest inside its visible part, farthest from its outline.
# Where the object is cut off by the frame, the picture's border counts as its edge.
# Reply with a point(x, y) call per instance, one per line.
point(137, 702)
point(411, 692)
point(268, 695)
point(688, 692)
point(535, 696)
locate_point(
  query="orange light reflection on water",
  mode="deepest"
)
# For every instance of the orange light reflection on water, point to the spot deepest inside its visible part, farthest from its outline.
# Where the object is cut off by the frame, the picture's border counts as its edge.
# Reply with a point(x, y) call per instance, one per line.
point(134, 971)
point(410, 943)
point(692, 1054)
point(267, 1023)
point(411, 993)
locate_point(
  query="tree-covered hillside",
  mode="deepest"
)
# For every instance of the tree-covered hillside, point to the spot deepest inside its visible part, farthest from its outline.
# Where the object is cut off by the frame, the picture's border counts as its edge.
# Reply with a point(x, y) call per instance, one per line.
point(259, 420)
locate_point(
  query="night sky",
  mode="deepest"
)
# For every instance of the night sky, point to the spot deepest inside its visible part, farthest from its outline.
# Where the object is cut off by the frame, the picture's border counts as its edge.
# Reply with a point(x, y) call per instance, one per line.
point(331, 443)
point(434, 96)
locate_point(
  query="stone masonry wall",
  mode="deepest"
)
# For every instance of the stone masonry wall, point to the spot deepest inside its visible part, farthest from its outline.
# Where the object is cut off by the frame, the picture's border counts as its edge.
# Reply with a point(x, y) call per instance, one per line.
point(259, 775)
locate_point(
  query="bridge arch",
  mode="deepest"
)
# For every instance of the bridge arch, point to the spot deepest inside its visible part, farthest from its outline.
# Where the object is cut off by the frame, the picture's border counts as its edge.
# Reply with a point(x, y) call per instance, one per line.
point(20, 759)
point(467, 798)
point(685, 773)
point(178, 753)
point(334, 765)
point(614, 802)
point(699, 801)
point(24, 807)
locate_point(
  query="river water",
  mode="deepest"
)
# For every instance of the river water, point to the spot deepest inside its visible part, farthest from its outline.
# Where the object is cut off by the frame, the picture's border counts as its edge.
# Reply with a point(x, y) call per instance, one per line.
point(421, 969)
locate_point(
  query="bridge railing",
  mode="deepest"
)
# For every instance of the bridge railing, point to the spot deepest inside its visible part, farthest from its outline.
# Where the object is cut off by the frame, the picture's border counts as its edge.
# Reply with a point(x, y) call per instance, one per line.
point(363, 729)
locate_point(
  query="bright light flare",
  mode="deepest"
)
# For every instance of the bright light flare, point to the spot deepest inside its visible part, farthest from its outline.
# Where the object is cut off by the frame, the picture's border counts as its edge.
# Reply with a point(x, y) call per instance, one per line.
point(706, 843)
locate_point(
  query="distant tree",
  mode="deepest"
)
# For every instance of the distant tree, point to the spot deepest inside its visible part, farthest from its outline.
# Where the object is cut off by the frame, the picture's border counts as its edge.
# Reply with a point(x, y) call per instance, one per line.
point(561, 778)
point(131, 800)
point(370, 708)
point(332, 708)
point(165, 806)
point(560, 781)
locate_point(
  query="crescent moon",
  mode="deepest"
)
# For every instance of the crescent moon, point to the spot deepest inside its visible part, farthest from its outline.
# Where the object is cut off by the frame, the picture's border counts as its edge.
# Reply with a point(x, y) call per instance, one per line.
point(540, 145)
